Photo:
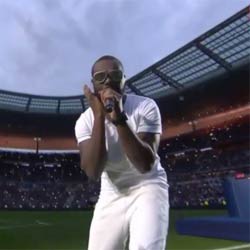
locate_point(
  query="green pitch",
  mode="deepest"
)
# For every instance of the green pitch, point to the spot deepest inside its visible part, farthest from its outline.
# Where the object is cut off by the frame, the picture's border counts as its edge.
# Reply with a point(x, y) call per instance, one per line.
point(69, 230)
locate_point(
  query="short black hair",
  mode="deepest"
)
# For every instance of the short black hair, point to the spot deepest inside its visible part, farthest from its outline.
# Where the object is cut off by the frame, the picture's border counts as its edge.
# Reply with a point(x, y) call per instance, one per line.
point(106, 57)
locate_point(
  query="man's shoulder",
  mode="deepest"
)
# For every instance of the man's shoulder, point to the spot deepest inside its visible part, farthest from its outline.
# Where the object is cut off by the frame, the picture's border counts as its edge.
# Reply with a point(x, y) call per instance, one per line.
point(138, 99)
point(140, 102)
point(86, 115)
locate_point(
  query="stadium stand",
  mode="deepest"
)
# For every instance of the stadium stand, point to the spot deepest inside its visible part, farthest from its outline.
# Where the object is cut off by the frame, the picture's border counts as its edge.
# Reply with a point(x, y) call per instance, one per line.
point(44, 181)
point(202, 91)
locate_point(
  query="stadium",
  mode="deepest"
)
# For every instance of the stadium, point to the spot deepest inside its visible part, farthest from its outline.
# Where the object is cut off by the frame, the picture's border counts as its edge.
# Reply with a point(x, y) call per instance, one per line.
point(202, 90)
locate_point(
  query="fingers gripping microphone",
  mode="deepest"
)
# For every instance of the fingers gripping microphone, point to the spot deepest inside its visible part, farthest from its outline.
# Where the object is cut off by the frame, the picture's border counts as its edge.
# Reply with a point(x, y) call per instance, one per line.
point(109, 105)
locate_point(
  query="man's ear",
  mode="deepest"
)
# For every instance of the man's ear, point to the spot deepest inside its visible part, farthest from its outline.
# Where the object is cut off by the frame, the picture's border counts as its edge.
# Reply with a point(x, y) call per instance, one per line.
point(123, 81)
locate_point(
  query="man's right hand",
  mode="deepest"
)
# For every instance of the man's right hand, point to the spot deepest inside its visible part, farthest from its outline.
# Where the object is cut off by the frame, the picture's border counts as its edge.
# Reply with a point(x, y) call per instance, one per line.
point(94, 102)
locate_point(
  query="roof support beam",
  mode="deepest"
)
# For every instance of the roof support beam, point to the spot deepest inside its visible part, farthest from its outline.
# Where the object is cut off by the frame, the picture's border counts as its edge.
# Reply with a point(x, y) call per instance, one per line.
point(28, 105)
point(167, 80)
point(227, 66)
point(82, 102)
point(58, 106)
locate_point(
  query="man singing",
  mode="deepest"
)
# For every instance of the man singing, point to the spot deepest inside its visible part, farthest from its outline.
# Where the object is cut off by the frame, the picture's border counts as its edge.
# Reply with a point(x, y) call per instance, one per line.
point(118, 138)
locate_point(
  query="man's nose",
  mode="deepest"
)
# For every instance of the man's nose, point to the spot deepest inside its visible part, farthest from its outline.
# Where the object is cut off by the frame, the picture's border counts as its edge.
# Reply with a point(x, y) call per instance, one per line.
point(108, 80)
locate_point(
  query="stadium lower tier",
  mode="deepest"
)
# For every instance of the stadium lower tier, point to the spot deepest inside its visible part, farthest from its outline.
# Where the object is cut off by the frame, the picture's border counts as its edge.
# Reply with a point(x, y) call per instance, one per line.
point(31, 195)
point(55, 181)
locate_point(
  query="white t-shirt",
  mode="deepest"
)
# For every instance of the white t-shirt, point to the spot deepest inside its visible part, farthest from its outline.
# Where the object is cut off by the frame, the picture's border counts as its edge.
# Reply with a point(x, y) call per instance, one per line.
point(119, 173)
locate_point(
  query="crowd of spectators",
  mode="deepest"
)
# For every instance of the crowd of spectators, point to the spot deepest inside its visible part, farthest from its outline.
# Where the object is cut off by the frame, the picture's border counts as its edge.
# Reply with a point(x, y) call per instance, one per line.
point(196, 165)
point(44, 181)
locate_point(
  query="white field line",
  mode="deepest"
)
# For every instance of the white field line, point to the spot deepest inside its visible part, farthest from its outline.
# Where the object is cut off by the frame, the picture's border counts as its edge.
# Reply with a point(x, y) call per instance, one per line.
point(43, 223)
point(234, 247)
point(36, 223)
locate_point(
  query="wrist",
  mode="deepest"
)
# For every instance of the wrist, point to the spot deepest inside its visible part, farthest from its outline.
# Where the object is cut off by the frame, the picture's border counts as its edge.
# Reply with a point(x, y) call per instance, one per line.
point(121, 120)
point(100, 116)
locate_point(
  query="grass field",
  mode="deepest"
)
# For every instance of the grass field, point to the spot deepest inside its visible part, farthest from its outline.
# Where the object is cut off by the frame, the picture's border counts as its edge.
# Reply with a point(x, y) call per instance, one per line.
point(69, 230)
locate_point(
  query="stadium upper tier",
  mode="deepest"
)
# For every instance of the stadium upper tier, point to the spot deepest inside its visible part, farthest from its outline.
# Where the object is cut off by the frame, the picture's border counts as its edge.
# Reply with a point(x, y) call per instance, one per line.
point(219, 50)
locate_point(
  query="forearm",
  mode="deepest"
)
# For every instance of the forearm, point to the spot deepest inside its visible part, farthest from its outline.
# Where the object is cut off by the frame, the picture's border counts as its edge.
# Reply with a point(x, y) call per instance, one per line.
point(95, 154)
point(139, 152)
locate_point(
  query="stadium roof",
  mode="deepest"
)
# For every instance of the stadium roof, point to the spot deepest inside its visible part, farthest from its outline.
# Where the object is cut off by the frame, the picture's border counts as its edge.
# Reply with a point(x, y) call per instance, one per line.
point(218, 50)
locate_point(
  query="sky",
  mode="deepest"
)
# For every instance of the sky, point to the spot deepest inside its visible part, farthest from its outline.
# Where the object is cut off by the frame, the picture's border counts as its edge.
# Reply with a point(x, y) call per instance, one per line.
point(47, 47)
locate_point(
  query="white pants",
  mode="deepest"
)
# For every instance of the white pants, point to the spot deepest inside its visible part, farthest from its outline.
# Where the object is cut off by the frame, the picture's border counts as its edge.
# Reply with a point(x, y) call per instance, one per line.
point(141, 215)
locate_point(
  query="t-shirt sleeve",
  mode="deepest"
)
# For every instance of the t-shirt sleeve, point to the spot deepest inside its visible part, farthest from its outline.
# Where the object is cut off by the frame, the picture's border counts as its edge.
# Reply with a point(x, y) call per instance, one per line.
point(83, 128)
point(149, 117)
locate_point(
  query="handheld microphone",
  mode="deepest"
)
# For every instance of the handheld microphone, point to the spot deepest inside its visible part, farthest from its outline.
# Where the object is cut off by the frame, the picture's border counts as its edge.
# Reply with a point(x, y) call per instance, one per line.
point(109, 105)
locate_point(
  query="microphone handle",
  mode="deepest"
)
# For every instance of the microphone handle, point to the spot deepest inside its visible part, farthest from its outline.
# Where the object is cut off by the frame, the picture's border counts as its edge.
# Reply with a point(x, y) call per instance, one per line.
point(109, 105)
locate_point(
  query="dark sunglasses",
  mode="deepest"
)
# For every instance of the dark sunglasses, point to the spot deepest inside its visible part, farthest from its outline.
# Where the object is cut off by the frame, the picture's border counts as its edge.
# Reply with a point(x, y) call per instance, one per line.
point(101, 76)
